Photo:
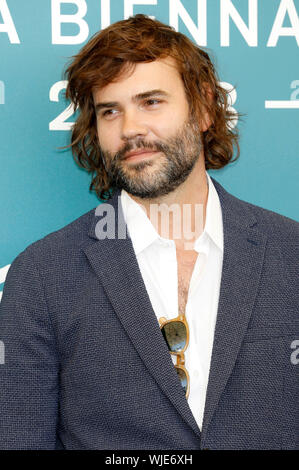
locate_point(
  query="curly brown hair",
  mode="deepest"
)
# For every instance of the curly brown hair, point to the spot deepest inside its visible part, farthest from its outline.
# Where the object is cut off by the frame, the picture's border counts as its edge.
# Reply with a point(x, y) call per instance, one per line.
point(116, 49)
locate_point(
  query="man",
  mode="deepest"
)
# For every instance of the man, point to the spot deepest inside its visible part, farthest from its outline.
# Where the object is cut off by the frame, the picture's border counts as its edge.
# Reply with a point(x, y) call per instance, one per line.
point(93, 358)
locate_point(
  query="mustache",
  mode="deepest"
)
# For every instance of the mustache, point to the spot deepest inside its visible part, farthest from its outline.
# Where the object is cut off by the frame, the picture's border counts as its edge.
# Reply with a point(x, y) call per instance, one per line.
point(140, 144)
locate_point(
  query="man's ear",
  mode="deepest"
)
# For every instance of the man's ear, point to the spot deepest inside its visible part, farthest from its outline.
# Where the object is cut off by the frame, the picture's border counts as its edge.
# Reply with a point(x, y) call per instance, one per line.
point(206, 119)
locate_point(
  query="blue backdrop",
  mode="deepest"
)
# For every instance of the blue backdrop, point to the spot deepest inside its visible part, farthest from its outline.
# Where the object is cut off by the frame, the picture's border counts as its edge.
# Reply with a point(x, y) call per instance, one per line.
point(254, 44)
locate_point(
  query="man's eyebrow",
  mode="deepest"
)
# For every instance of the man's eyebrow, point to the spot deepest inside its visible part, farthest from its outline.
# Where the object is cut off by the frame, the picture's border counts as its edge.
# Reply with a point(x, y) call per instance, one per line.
point(138, 97)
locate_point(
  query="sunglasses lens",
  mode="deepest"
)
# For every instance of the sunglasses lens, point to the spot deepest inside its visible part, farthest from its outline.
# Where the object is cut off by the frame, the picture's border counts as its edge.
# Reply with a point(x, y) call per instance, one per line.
point(183, 378)
point(175, 335)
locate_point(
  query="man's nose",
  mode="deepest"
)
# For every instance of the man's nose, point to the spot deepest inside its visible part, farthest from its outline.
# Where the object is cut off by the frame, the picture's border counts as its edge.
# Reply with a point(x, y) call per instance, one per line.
point(133, 125)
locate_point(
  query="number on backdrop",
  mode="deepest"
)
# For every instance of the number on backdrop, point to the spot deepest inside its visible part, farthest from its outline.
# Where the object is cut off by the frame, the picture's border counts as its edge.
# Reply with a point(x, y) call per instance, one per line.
point(59, 123)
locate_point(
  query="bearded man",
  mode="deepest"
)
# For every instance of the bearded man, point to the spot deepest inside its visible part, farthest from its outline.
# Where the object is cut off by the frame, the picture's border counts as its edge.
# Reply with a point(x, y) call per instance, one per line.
point(166, 317)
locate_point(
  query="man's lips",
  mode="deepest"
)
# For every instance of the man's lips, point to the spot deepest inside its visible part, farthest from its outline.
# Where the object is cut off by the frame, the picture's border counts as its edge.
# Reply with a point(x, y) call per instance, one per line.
point(139, 152)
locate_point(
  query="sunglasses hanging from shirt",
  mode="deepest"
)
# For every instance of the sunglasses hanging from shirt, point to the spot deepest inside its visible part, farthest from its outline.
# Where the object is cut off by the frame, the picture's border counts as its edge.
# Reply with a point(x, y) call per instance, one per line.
point(176, 335)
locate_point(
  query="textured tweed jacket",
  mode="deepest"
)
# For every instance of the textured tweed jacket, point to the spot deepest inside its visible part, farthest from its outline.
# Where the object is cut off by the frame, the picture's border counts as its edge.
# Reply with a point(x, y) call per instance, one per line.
point(86, 366)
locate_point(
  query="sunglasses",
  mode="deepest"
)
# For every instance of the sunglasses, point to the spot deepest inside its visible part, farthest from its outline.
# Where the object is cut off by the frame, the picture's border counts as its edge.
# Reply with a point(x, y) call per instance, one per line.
point(176, 335)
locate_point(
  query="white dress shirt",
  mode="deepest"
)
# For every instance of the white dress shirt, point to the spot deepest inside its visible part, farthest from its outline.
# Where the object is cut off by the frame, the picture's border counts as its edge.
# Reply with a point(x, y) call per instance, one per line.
point(157, 261)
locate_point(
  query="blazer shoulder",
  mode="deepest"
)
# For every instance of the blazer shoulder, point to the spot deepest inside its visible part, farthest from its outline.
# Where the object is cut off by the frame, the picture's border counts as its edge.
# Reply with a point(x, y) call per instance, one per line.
point(62, 242)
point(282, 232)
point(270, 222)
point(274, 224)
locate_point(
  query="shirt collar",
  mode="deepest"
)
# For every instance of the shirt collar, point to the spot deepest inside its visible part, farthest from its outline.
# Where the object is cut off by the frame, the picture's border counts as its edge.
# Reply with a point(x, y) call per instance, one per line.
point(143, 233)
point(213, 224)
point(140, 228)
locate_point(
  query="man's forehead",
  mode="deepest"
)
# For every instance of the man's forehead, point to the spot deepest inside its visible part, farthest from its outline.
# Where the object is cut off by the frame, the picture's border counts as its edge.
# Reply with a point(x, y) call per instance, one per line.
point(143, 77)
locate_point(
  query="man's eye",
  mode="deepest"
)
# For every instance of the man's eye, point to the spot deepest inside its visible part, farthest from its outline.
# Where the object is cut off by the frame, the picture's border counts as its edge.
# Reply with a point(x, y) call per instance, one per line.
point(152, 101)
point(108, 112)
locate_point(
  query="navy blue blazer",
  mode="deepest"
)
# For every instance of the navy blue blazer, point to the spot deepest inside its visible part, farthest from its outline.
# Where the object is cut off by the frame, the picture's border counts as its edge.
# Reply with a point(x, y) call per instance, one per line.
point(86, 366)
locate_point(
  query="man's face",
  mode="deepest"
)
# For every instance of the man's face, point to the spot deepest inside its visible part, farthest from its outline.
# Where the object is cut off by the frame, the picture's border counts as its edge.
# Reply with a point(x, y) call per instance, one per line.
point(148, 113)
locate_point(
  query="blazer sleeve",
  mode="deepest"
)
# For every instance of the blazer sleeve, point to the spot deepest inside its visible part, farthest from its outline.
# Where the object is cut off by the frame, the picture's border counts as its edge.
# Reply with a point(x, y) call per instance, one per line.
point(29, 366)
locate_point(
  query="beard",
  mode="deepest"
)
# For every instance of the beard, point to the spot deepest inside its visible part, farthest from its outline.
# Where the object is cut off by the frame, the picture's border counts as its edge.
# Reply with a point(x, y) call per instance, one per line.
point(158, 176)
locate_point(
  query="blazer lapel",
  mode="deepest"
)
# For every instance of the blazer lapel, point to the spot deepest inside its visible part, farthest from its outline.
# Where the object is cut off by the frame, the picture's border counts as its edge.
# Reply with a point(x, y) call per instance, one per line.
point(243, 255)
point(115, 263)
